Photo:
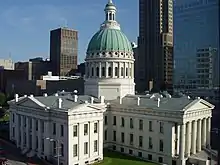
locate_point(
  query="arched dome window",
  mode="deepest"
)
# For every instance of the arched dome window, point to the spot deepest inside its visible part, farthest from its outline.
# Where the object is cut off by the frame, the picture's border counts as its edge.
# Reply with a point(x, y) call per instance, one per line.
point(116, 71)
point(97, 71)
point(110, 16)
point(109, 71)
point(113, 17)
point(103, 71)
point(92, 71)
point(122, 71)
point(126, 71)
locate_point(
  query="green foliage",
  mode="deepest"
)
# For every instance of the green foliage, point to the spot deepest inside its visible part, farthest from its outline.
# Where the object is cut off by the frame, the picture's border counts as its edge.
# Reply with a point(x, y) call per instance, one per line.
point(2, 99)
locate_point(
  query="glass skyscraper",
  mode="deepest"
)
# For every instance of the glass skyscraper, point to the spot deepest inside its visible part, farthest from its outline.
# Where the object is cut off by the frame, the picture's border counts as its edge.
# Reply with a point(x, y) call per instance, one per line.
point(196, 26)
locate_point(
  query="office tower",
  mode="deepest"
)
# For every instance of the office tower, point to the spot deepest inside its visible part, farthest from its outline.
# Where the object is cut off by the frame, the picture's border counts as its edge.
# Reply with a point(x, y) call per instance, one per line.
point(196, 25)
point(155, 44)
point(63, 50)
point(205, 67)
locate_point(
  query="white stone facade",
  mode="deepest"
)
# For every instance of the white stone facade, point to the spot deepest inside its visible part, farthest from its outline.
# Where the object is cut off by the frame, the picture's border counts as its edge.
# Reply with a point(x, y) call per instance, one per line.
point(40, 130)
point(161, 136)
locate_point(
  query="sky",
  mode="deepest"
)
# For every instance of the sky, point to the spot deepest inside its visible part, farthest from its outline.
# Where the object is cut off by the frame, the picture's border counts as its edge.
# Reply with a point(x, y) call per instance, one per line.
point(25, 24)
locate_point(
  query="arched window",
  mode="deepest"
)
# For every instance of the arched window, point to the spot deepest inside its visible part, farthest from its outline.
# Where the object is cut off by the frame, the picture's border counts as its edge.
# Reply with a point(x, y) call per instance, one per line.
point(113, 17)
point(116, 71)
point(106, 16)
point(110, 16)
point(126, 71)
point(109, 71)
point(122, 71)
point(92, 71)
point(97, 71)
point(103, 71)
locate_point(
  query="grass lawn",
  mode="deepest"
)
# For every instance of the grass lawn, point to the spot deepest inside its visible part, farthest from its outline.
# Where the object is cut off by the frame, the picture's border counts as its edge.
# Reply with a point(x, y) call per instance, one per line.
point(114, 158)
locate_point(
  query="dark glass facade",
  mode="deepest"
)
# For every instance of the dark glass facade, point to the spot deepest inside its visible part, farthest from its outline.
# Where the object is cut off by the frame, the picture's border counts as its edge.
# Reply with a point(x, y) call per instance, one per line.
point(196, 26)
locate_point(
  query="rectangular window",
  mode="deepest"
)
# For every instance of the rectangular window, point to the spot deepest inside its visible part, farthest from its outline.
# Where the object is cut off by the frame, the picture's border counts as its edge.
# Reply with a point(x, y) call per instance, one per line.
point(150, 143)
point(122, 149)
point(140, 141)
point(114, 120)
point(122, 137)
point(75, 131)
point(160, 160)
point(106, 135)
point(114, 147)
point(141, 125)
point(85, 129)
point(36, 142)
point(42, 145)
point(62, 149)
point(95, 146)
point(131, 123)
point(114, 135)
point(131, 139)
point(75, 150)
point(139, 154)
point(149, 157)
point(61, 130)
point(150, 126)
point(161, 127)
point(36, 122)
point(122, 122)
point(106, 120)
point(95, 127)
point(13, 118)
point(54, 148)
point(161, 145)
point(54, 128)
point(86, 148)
point(130, 152)
point(42, 126)
point(13, 131)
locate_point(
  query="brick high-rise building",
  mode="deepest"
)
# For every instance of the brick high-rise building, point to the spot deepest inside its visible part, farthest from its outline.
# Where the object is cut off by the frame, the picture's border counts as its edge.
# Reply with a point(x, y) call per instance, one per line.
point(155, 44)
point(63, 50)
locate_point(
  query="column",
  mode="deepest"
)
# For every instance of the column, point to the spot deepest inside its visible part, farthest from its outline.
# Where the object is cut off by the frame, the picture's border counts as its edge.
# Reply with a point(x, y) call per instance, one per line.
point(188, 136)
point(198, 141)
point(182, 143)
point(194, 133)
point(125, 68)
point(204, 132)
point(208, 131)
point(17, 129)
point(39, 137)
point(178, 139)
point(113, 70)
point(33, 134)
point(106, 69)
point(100, 69)
point(27, 133)
point(47, 143)
point(22, 132)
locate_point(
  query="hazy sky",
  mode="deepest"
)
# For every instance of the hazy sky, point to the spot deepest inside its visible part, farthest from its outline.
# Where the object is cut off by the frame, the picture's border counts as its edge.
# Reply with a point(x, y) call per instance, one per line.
point(25, 24)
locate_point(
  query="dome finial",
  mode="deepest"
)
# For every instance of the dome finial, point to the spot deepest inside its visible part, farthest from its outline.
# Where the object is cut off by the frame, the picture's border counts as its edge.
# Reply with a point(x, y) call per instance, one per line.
point(110, 1)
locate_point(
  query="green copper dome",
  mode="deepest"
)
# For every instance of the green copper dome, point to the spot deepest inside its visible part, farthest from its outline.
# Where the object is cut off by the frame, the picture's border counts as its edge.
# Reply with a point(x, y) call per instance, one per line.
point(108, 40)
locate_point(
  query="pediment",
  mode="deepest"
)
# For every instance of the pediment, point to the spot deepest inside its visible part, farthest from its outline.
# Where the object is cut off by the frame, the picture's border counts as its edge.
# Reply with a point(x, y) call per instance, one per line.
point(198, 104)
point(84, 108)
point(28, 102)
